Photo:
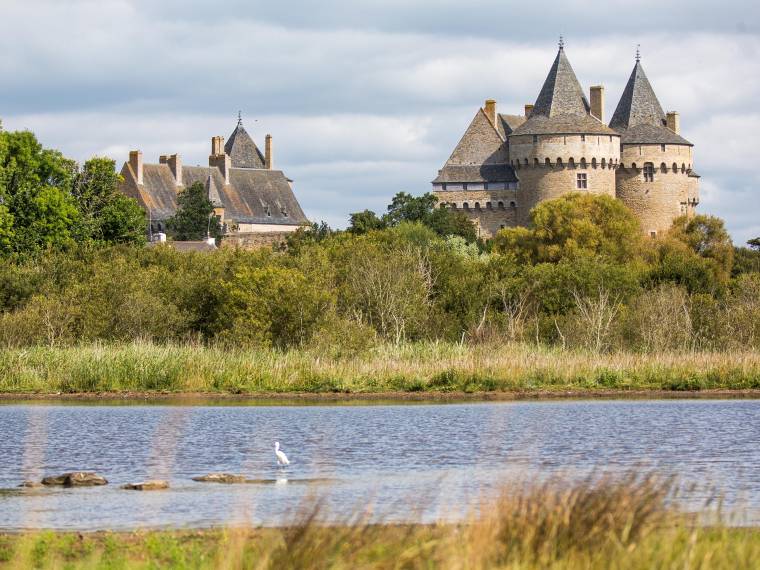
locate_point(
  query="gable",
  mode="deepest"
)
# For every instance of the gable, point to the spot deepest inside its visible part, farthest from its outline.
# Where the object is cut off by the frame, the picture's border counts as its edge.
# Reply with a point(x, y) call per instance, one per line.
point(480, 144)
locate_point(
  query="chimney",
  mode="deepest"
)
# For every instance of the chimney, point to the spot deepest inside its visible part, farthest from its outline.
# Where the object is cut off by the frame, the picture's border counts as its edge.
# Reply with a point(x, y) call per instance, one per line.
point(674, 122)
point(223, 163)
point(597, 102)
point(268, 161)
point(175, 163)
point(217, 146)
point(528, 110)
point(490, 110)
point(136, 164)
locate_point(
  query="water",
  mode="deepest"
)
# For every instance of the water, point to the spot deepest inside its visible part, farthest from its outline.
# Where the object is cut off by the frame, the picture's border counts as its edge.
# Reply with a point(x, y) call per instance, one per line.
point(410, 462)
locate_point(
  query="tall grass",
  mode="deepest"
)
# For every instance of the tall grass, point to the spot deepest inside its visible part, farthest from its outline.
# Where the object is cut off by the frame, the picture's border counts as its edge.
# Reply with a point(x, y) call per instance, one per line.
point(598, 523)
point(421, 367)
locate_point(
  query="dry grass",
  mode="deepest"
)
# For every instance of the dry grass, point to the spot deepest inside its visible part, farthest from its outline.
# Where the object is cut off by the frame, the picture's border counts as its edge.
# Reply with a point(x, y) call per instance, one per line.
point(598, 523)
point(438, 367)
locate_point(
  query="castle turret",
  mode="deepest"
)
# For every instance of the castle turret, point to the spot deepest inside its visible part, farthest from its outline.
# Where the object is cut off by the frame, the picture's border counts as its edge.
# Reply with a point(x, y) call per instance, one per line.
point(562, 147)
point(655, 178)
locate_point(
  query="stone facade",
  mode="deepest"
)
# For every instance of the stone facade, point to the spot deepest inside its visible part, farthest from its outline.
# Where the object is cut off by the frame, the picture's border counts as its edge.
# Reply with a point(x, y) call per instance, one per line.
point(505, 165)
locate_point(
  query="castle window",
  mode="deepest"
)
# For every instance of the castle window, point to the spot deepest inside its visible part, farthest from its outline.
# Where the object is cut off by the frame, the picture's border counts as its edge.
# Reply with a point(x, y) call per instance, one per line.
point(583, 163)
point(502, 226)
point(581, 181)
point(466, 206)
point(662, 147)
point(501, 205)
point(453, 205)
point(571, 162)
point(604, 163)
point(535, 162)
point(664, 168)
point(593, 163)
point(548, 162)
point(513, 205)
point(648, 172)
point(583, 138)
point(477, 205)
point(675, 167)
point(535, 139)
point(489, 206)
point(652, 234)
point(559, 162)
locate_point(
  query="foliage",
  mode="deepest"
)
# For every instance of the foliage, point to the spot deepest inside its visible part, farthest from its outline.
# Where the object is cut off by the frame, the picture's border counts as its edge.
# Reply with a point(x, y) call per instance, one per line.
point(708, 238)
point(194, 219)
point(405, 208)
point(573, 226)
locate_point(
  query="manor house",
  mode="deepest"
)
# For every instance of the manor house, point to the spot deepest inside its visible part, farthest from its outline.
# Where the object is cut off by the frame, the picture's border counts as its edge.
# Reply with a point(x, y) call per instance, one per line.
point(504, 165)
point(253, 201)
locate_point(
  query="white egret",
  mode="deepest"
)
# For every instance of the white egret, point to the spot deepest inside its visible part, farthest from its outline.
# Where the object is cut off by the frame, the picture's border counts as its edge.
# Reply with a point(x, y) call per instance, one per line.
point(282, 459)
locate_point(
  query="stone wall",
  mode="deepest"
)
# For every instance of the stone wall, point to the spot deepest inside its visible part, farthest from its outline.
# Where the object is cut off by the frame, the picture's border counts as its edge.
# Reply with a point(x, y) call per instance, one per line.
point(489, 210)
point(591, 148)
point(659, 202)
point(540, 183)
point(639, 154)
point(254, 240)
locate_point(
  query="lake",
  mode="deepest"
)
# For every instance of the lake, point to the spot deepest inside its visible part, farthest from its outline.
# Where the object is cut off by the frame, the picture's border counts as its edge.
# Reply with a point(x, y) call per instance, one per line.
point(409, 461)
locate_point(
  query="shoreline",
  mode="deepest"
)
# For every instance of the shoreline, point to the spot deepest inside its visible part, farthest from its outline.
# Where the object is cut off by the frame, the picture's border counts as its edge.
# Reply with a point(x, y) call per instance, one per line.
point(381, 397)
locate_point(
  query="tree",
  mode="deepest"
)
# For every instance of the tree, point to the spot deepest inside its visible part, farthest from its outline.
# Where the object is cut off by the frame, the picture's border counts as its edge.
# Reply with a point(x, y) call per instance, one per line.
point(195, 218)
point(364, 222)
point(107, 215)
point(572, 226)
point(415, 209)
point(708, 238)
point(754, 243)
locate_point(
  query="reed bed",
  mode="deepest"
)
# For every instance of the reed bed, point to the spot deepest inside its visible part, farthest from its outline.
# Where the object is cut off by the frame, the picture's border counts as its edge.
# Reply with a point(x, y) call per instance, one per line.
point(420, 367)
point(602, 522)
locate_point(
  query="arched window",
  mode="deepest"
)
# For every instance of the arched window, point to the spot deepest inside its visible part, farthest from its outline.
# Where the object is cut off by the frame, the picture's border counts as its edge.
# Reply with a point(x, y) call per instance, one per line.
point(675, 167)
point(583, 162)
point(571, 162)
point(489, 206)
point(526, 162)
point(604, 163)
point(548, 162)
point(648, 172)
point(663, 168)
point(513, 205)
point(633, 165)
point(535, 162)
point(501, 205)
point(453, 206)
point(683, 168)
point(559, 161)
point(477, 205)
point(593, 163)
point(466, 206)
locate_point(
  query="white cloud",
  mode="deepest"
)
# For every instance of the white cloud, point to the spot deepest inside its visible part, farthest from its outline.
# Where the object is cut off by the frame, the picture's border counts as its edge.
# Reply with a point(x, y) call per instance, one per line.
point(364, 99)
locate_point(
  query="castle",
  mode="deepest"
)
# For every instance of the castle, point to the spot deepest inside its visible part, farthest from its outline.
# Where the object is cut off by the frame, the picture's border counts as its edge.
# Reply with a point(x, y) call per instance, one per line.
point(253, 201)
point(504, 165)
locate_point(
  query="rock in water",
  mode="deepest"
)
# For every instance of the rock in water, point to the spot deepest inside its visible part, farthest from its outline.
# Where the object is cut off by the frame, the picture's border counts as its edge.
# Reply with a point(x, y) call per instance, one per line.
point(31, 484)
point(220, 478)
point(75, 479)
point(146, 486)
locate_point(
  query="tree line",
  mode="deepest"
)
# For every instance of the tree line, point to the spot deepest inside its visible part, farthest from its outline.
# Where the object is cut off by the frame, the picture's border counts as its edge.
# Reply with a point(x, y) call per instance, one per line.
point(582, 275)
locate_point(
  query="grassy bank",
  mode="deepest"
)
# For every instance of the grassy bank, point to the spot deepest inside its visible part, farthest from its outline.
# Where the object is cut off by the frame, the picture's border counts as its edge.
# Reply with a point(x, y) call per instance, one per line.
point(414, 368)
point(600, 524)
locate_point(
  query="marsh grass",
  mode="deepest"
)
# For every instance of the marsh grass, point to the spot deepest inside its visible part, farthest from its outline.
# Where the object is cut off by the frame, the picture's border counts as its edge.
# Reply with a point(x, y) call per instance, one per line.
point(421, 367)
point(602, 522)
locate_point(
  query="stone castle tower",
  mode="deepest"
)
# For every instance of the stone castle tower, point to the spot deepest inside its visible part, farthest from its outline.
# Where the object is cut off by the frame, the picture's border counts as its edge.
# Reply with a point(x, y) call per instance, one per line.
point(505, 165)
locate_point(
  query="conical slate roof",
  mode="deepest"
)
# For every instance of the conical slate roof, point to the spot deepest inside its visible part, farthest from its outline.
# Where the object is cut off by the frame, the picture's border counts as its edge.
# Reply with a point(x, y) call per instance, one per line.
point(213, 193)
point(242, 150)
point(561, 107)
point(639, 116)
point(562, 93)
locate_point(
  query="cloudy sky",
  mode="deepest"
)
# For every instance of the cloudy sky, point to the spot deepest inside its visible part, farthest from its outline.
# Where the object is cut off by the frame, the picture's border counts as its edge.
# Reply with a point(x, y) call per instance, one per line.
point(367, 98)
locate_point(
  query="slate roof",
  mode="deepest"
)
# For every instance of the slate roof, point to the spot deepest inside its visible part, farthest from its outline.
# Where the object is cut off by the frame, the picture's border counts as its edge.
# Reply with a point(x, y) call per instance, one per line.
point(561, 107)
point(242, 150)
point(252, 197)
point(639, 117)
point(476, 173)
point(508, 123)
